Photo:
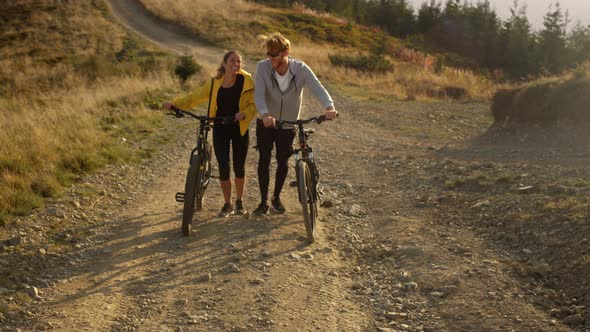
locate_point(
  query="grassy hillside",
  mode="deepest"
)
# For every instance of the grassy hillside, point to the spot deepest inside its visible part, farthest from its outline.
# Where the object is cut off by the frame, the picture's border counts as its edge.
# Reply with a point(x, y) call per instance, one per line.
point(316, 37)
point(73, 83)
point(546, 101)
point(73, 86)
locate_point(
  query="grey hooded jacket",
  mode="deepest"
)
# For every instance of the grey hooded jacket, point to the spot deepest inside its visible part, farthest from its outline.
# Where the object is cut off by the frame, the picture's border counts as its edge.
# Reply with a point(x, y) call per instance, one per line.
point(286, 105)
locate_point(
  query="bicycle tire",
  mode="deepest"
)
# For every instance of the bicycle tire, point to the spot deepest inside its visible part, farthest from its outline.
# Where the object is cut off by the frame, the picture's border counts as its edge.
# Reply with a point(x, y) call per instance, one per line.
point(191, 188)
point(304, 185)
point(205, 177)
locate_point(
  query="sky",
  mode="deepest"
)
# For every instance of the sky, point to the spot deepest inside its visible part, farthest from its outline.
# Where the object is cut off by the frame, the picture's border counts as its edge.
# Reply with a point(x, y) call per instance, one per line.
point(536, 9)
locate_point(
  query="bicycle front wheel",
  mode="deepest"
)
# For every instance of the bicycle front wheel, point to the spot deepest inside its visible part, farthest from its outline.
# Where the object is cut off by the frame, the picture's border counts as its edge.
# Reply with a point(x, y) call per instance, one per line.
point(192, 194)
point(307, 199)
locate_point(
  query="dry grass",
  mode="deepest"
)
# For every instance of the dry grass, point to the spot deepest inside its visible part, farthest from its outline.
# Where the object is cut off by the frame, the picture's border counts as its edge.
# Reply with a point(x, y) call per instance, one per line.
point(65, 102)
point(51, 31)
point(407, 81)
point(49, 138)
point(227, 28)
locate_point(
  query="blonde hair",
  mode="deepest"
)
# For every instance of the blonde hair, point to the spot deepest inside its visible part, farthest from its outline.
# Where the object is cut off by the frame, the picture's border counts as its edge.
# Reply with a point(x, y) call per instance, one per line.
point(274, 41)
point(221, 69)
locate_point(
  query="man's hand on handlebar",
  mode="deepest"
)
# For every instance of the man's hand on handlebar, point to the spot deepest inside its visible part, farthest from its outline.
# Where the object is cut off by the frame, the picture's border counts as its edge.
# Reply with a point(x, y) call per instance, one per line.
point(268, 120)
point(330, 113)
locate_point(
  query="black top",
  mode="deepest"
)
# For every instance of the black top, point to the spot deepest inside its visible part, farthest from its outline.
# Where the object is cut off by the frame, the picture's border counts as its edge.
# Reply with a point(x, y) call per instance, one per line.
point(228, 99)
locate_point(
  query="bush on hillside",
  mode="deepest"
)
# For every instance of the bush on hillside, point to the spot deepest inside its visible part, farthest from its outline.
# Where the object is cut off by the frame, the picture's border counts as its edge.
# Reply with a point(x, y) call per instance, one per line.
point(548, 102)
point(371, 63)
point(186, 68)
point(95, 66)
point(450, 92)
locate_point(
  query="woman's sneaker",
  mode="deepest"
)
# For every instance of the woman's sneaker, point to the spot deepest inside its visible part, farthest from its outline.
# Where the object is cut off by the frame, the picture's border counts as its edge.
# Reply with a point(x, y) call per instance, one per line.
point(239, 208)
point(262, 208)
point(277, 205)
point(226, 210)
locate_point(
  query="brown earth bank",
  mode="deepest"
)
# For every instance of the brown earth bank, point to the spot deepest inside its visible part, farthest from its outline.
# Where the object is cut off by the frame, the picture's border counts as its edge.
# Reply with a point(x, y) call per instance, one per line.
point(432, 223)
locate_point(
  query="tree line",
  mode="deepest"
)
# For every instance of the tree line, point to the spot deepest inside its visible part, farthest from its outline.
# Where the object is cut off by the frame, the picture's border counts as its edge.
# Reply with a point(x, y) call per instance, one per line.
point(473, 30)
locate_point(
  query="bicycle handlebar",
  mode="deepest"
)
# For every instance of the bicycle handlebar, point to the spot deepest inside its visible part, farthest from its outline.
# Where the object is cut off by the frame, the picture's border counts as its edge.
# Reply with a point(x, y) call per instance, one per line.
point(318, 119)
point(179, 113)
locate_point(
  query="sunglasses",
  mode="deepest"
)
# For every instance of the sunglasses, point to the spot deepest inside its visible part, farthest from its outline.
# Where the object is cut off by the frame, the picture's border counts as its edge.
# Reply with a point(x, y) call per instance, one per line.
point(275, 53)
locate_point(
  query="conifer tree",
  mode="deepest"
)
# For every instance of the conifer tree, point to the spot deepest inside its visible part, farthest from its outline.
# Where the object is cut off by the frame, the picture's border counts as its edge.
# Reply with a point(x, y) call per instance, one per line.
point(518, 43)
point(578, 43)
point(429, 19)
point(552, 53)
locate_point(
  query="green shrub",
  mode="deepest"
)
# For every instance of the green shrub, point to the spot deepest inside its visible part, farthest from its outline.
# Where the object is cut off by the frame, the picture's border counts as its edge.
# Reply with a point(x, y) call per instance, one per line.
point(81, 161)
point(16, 166)
point(130, 47)
point(46, 186)
point(148, 64)
point(22, 202)
point(96, 66)
point(371, 63)
point(186, 68)
point(3, 218)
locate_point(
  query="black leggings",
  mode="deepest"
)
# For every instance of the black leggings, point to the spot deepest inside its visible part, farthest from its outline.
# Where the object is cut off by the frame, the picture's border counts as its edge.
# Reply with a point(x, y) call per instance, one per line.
point(223, 136)
point(266, 138)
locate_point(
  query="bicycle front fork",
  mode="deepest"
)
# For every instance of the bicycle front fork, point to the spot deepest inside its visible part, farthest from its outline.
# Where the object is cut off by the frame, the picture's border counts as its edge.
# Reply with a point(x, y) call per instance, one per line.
point(314, 174)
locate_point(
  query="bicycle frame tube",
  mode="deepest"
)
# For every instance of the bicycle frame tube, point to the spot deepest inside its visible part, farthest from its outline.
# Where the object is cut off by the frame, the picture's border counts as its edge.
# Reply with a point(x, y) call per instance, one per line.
point(303, 148)
point(305, 151)
point(202, 135)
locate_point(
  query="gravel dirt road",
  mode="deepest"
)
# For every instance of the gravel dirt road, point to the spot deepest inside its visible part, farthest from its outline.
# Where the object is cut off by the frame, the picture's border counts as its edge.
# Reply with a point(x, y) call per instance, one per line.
point(435, 224)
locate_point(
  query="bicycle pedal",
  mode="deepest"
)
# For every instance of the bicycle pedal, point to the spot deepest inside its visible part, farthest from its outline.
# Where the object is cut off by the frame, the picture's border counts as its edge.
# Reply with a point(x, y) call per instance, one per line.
point(179, 197)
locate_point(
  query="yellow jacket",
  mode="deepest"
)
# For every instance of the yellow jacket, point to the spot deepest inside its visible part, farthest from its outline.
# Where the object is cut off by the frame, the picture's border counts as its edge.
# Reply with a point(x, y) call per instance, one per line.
point(201, 95)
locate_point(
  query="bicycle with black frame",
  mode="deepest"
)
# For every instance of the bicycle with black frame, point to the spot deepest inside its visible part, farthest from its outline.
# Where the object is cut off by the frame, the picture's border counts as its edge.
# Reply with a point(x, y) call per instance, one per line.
point(306, 173)
point(198, 175)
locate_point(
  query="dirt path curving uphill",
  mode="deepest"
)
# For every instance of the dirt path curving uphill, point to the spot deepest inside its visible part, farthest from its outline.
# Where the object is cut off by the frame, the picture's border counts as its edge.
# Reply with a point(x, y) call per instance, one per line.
point(137, 18)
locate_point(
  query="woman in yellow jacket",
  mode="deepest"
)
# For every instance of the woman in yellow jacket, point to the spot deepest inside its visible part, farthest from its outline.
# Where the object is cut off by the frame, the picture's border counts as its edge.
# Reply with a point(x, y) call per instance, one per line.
point(232, 95)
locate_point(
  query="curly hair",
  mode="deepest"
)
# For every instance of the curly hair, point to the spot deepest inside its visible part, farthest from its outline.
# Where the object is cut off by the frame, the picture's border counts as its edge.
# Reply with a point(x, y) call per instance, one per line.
point(274, 41)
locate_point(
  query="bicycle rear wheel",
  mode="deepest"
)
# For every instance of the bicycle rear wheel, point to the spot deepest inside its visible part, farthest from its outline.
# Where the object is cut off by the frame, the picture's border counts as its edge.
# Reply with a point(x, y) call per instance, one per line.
point(192, 194)
point(203, 179)
point(307, 199)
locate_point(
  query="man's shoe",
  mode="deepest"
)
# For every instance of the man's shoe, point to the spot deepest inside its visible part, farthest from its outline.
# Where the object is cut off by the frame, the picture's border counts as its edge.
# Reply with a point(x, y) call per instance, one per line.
point(239, 208)
point(226, 210)
point(277, 205)
point(262, 208)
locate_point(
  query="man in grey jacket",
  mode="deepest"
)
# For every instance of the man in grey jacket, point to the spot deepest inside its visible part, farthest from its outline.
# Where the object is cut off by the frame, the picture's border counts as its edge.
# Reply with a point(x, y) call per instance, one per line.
point(278, 95)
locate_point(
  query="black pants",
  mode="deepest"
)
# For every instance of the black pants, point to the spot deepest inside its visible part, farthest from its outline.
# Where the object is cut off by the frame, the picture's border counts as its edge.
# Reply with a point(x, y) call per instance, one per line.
point(223, 137)
point(266, 138)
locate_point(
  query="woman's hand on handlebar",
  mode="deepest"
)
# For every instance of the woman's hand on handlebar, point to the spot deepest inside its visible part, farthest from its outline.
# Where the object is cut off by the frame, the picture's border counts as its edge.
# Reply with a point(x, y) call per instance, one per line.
point(240, 116)
point(167, 105)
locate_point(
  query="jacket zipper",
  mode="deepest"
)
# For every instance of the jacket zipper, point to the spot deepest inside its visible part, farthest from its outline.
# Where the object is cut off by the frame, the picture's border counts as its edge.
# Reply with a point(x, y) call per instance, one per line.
point(272, 74)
